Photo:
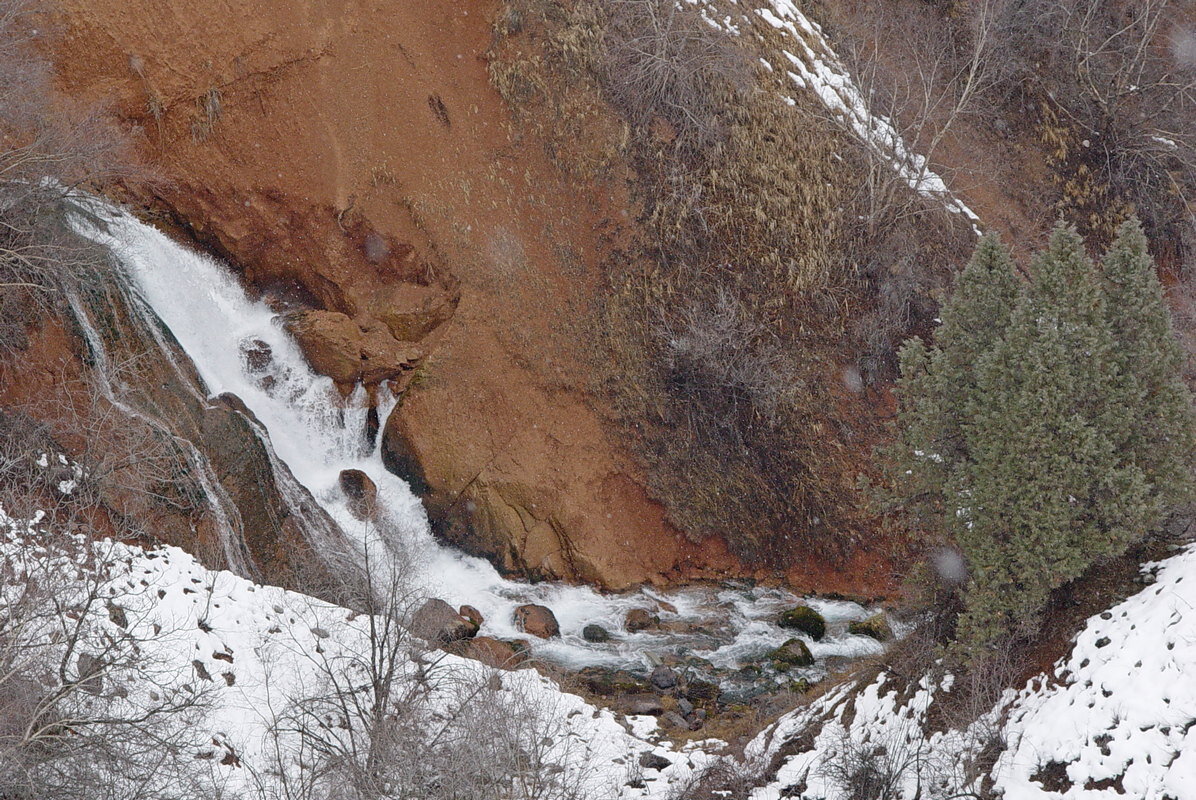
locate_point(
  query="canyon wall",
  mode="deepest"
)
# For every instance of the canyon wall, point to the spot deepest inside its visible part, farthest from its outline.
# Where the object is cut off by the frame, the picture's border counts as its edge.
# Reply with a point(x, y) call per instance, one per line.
point(354, 162)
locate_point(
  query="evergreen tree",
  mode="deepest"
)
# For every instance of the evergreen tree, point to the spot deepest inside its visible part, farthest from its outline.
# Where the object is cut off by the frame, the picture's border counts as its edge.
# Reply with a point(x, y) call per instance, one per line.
point(937, 388)
point(1048, 427)
point(1160, 437)
point(1045, 492)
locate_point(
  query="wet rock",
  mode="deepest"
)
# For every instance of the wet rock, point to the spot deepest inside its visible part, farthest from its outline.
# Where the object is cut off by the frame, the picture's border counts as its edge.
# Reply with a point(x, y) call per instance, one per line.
point(472, 614)
point(650, 760)
point(351, 351)
point(740, 695)
point(666, 606)
point(643, 704)
point(361, 491)
point(663, 678)
point(490, 651)
point(876, 626)
point(611, 683)
point(792, 653)
point(537, 620)
point(804, 619)
point(595, 633)
point(258, 355)
point(436, 621)
point(639, 619)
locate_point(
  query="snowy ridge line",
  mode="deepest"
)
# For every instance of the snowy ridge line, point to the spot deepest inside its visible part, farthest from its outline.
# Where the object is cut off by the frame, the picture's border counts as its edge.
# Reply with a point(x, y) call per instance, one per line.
point(250, 649)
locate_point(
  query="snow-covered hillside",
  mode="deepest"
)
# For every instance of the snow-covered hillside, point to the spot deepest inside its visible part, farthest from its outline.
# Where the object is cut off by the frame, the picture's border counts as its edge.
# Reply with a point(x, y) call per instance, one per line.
point(1114, 718)
point(252, 662)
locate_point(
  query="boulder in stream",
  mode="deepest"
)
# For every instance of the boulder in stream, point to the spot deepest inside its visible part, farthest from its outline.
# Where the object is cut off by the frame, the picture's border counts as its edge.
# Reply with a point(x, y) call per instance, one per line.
point(804, 619)
point(436, 621)
point(361, 491)
point(792, 653)
point(595, 633)
point(639, 619)
point(876, 626)
point(537, 620)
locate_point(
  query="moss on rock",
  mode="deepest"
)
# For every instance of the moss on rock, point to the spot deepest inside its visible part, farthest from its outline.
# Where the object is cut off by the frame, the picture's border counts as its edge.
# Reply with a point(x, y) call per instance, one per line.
point(804, 619)
point(792, 653)
point(876, 626)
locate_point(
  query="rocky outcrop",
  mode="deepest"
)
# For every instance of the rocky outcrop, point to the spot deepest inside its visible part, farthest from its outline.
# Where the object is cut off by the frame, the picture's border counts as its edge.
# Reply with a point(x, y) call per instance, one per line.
point(219, 494)
point(351, 351)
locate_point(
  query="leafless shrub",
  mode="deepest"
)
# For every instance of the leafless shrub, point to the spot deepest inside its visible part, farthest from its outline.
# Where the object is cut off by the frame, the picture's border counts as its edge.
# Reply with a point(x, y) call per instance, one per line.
point(725, 366)
point(664, 62)
point(898, 762)
point(1113, 88)
point(724, 779)
point(927, 74)
point(89, 706)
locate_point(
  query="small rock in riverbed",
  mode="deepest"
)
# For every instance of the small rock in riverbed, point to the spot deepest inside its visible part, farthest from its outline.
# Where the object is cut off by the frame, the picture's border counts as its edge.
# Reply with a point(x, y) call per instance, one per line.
point(792, 653)
point(595, 633)
point(436, 621)
point(644, 704)
point(639, 619)
point(663, 678)
point(671, 719)
point(471, 614)
point(876, 626)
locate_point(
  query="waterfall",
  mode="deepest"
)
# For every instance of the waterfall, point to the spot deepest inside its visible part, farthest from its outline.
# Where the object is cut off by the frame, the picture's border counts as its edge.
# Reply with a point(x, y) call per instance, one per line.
point(313, 433)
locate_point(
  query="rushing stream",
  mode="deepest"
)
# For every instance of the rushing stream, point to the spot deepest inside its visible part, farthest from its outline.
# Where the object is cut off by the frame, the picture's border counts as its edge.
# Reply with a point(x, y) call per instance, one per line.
point(318, 434)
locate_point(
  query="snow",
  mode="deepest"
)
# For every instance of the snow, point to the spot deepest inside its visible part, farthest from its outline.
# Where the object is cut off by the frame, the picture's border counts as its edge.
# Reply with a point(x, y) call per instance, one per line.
point(260, 645)
point(1123, 703)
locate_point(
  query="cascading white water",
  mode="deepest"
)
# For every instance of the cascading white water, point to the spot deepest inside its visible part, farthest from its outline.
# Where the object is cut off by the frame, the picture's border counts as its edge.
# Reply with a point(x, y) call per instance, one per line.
point(318, 434)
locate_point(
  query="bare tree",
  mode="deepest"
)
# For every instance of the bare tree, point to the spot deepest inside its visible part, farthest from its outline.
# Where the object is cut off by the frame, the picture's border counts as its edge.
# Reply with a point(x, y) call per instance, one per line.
point(664, 62)
point(386, 715)
point(1114, 86)
point(91, 705)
